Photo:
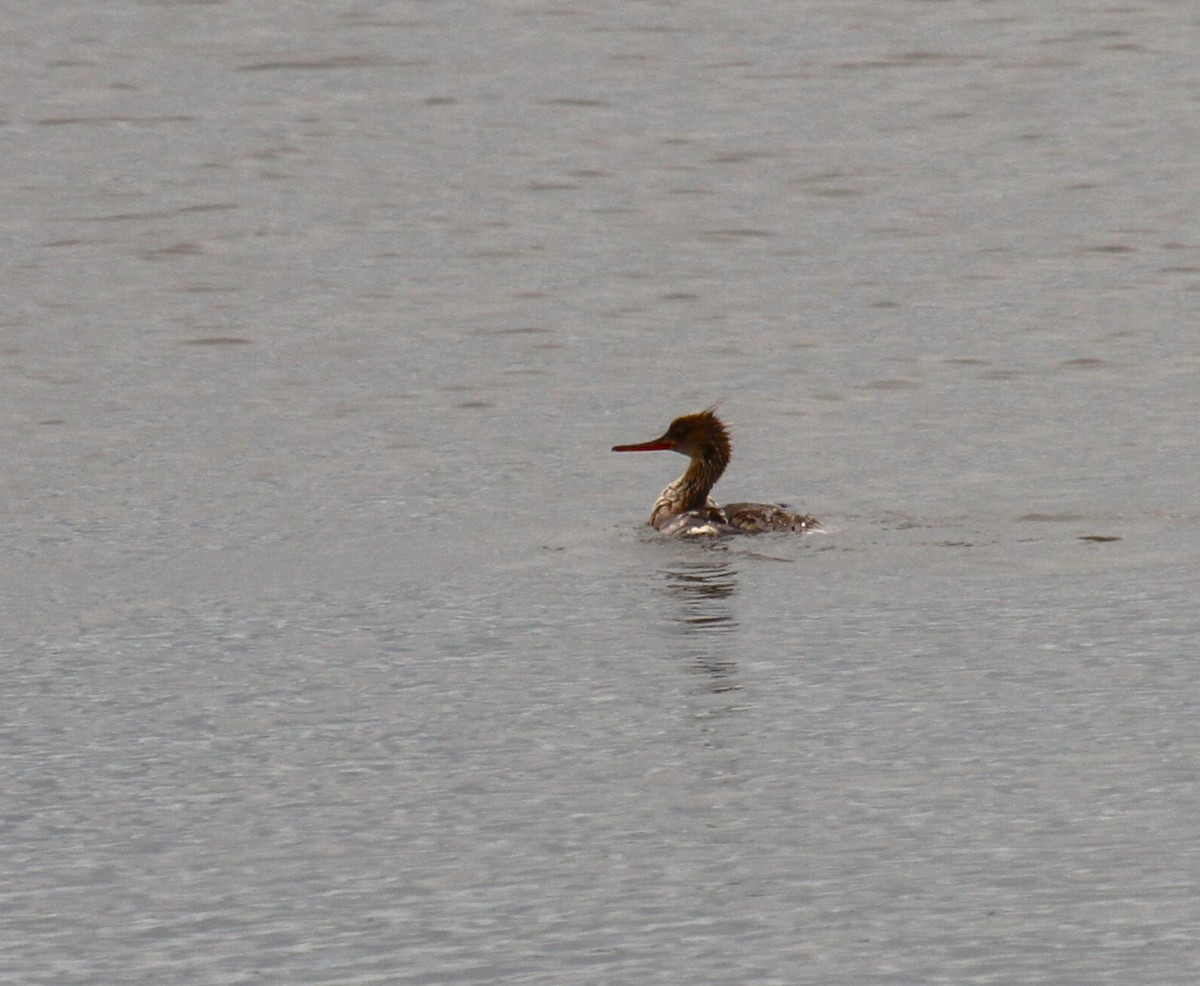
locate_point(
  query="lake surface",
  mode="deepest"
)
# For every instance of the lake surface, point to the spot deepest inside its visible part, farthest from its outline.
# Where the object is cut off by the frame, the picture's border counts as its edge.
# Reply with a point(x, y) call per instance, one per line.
point(335, 646)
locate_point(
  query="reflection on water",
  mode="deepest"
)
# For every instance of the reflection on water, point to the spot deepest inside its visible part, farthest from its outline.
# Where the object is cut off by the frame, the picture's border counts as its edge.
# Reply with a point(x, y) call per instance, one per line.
point(702, 592)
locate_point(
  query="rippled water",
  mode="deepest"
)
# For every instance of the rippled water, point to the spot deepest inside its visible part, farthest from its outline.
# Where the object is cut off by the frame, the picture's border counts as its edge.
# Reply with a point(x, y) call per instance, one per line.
point(335, 647)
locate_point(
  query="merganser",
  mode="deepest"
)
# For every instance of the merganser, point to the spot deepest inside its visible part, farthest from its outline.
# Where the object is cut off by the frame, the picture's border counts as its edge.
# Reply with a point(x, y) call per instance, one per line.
point(685, 506)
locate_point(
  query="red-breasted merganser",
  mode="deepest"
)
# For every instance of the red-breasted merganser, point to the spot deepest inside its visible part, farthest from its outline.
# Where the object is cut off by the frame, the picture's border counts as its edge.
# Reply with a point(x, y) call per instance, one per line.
point(685, 507)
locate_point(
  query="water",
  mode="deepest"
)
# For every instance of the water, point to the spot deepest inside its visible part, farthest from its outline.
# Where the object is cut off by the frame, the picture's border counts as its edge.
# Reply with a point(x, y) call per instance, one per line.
point(335, 648)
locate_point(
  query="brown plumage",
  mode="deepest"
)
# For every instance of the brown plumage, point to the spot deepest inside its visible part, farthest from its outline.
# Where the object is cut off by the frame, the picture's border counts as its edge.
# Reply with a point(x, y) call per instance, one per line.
point(685, 506)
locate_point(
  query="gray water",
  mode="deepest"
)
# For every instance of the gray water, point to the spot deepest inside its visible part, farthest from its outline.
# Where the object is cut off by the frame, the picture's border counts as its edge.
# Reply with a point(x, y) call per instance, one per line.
point(335, 648)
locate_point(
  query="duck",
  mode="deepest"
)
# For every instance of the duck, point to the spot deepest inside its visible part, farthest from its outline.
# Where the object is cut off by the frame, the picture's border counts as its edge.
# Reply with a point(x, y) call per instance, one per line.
point(686, 508)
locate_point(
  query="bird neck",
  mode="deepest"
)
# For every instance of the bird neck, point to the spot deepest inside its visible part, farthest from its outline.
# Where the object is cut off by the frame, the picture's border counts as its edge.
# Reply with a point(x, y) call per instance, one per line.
point(699, 479)
point(690, 491)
